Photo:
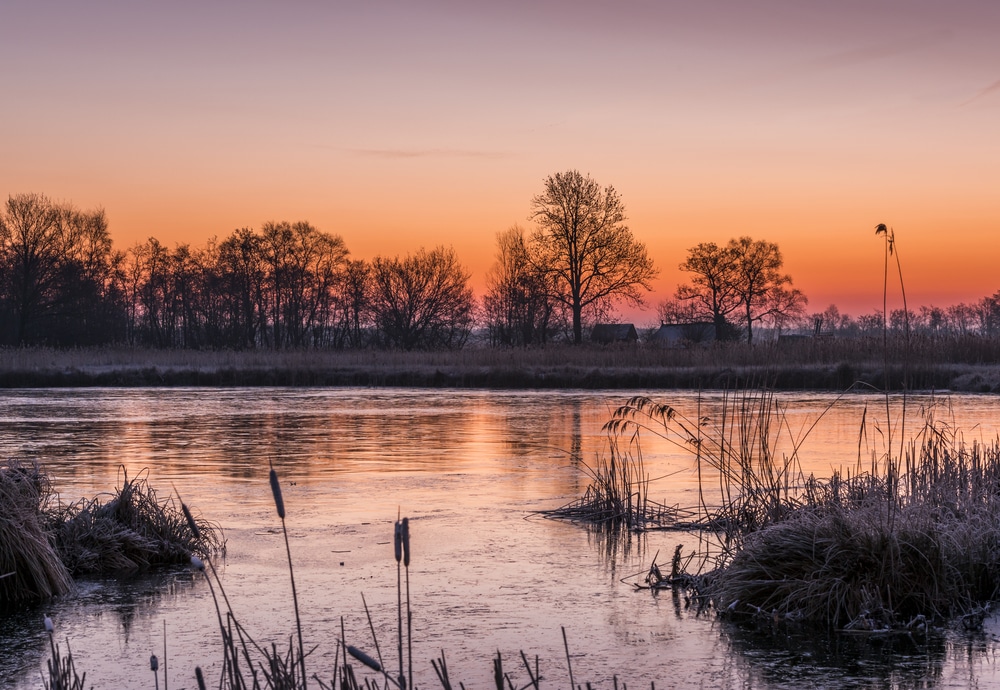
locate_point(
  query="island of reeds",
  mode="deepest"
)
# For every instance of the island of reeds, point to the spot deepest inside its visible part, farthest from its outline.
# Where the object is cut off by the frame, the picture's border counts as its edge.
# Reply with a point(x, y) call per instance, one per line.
point(898, 542)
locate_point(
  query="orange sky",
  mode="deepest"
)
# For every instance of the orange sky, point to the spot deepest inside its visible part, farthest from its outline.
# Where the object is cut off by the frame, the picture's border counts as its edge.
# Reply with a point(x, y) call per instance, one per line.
point(398, 125)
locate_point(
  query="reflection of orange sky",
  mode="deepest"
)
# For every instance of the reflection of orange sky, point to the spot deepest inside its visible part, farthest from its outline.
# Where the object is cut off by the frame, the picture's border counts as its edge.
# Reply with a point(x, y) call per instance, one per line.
point(436, 124)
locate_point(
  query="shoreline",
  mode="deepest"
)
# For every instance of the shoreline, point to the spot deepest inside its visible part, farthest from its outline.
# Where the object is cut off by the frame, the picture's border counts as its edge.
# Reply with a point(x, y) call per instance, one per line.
point(550, 368)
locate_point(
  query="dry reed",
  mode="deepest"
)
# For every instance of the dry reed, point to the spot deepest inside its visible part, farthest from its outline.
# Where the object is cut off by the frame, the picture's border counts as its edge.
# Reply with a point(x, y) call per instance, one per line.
point(131, 530)
point(31, 567)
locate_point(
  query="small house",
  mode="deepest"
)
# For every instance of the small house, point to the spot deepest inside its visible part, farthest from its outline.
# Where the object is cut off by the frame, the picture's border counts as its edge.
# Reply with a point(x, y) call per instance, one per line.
point(608, 333)
point(682, 334)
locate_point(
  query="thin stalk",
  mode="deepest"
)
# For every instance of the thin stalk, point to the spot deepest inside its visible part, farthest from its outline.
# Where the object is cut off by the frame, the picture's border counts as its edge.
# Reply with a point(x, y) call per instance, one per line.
point(569, 664)
point(280, 505)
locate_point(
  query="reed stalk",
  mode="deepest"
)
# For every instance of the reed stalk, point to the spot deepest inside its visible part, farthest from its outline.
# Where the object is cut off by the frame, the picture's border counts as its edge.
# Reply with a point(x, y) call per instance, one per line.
point(280, 506)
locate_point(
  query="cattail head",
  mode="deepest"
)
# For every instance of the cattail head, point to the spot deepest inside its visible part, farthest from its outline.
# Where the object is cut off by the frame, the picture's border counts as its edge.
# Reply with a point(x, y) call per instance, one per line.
point(406, 542)
point(191, 523)
point(197, 563)
point(398, 540)
point(49, 627)
point(364, 658)
point(199, 677)
point(276, 491)
point(154, 663)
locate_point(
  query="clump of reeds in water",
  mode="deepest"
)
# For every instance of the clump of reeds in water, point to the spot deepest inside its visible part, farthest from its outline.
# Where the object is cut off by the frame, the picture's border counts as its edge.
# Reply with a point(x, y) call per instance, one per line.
point(920, 540)
point(30, 568)
point(617, 497)
point(738, 449)
point(133, 529)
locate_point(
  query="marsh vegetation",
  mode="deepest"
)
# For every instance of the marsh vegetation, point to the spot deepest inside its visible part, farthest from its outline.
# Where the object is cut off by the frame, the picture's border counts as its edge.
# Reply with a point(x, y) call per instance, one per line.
point(901, 541)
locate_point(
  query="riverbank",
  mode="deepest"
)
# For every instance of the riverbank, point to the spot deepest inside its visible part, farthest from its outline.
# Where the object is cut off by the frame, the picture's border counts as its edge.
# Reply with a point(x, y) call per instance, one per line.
point(555, 367)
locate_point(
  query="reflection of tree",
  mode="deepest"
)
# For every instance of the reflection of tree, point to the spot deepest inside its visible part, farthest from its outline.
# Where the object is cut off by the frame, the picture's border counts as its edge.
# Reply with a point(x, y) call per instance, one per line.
point(576, 433)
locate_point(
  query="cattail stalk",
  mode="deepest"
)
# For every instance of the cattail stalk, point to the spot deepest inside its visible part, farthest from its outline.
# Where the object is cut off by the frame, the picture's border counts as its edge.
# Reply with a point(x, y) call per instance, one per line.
point(398, 545)
point(154, 666)
point(279, 504)
point(409, 616)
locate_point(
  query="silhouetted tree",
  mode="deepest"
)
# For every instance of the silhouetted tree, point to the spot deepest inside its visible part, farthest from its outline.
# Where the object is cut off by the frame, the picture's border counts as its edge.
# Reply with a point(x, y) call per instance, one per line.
point(242, 275)
point(517, 305)
point(583, 247)
point(713, 292)
point(303, 265)
point(355, 295)
point(423, 301)
point(55, 271)
point(743, 278)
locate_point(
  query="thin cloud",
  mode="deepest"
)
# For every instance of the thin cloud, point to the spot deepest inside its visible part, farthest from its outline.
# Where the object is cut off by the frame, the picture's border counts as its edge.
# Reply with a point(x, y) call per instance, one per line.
point(992, 88)
point(425, 153)
point(882, 51)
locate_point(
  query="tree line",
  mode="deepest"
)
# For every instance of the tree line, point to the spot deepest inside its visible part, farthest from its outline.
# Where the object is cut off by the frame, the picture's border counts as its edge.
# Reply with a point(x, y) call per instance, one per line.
point(290, 285)
point(286, 285)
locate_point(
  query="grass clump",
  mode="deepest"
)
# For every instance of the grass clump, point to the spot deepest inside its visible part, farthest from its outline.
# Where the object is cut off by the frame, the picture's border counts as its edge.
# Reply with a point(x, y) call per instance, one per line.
point(920, 540)
point(911, 539)
point(131, 530)
point(30, 567)
point(43, 544)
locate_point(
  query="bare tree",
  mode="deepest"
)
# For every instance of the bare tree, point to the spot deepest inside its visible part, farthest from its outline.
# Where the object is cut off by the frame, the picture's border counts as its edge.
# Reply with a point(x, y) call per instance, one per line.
point(303, 265)
point(242, 276)
point(741, 281)
point(422, 301)
point(765, 292)
point(55, 264)
point(355, 295)
point(516, 305)
point(678, 311)
point(713, 290)
point(583, 246)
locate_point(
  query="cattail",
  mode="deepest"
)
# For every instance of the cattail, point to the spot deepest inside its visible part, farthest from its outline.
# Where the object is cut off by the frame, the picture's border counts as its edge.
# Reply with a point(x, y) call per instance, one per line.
point(276, 490)
point(49, 627)
point(197, 563)
point(364, 658)
point(154, 663)
point(191, 523)
point(406, 542)
point(398, 540)
point(199, 677)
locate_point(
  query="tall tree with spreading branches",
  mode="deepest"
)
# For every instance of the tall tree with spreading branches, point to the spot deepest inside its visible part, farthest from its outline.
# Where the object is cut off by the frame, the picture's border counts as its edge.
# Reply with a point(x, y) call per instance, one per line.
point(583, 246)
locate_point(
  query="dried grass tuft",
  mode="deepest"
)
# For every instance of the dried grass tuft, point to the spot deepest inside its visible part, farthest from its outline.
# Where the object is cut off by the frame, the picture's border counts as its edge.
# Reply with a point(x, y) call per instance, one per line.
point(919, 541)
point(132, 530)
point(30, 567)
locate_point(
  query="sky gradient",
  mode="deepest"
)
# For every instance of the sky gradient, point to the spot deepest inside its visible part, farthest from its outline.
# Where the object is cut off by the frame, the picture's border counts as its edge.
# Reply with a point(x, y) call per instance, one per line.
point(401, 125)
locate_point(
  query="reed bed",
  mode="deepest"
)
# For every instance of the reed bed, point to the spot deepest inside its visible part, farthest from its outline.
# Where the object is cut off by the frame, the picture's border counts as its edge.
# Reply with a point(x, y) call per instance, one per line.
point(957, 363)
point(617, 498)
point(43, 544)
point(30, 567)
point(918, 542)
point(133, 529)
point(738, 450)
point(905, 542)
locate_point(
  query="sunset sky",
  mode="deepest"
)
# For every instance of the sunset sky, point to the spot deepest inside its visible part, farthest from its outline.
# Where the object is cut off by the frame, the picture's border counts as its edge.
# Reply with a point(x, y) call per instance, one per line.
point(407, 124)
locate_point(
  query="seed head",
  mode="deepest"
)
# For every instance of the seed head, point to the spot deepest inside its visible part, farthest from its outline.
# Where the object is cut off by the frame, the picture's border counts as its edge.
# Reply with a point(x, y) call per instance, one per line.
point(49, 627)
point(276, 490)
point(154, 663)
point(398, 540)
point(406, 542)
point(364, 658)
point(199, 677)
point(191, 523)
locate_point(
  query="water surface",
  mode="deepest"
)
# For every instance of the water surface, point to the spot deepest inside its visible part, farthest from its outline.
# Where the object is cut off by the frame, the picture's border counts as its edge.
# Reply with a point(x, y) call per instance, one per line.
point(470, 468)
